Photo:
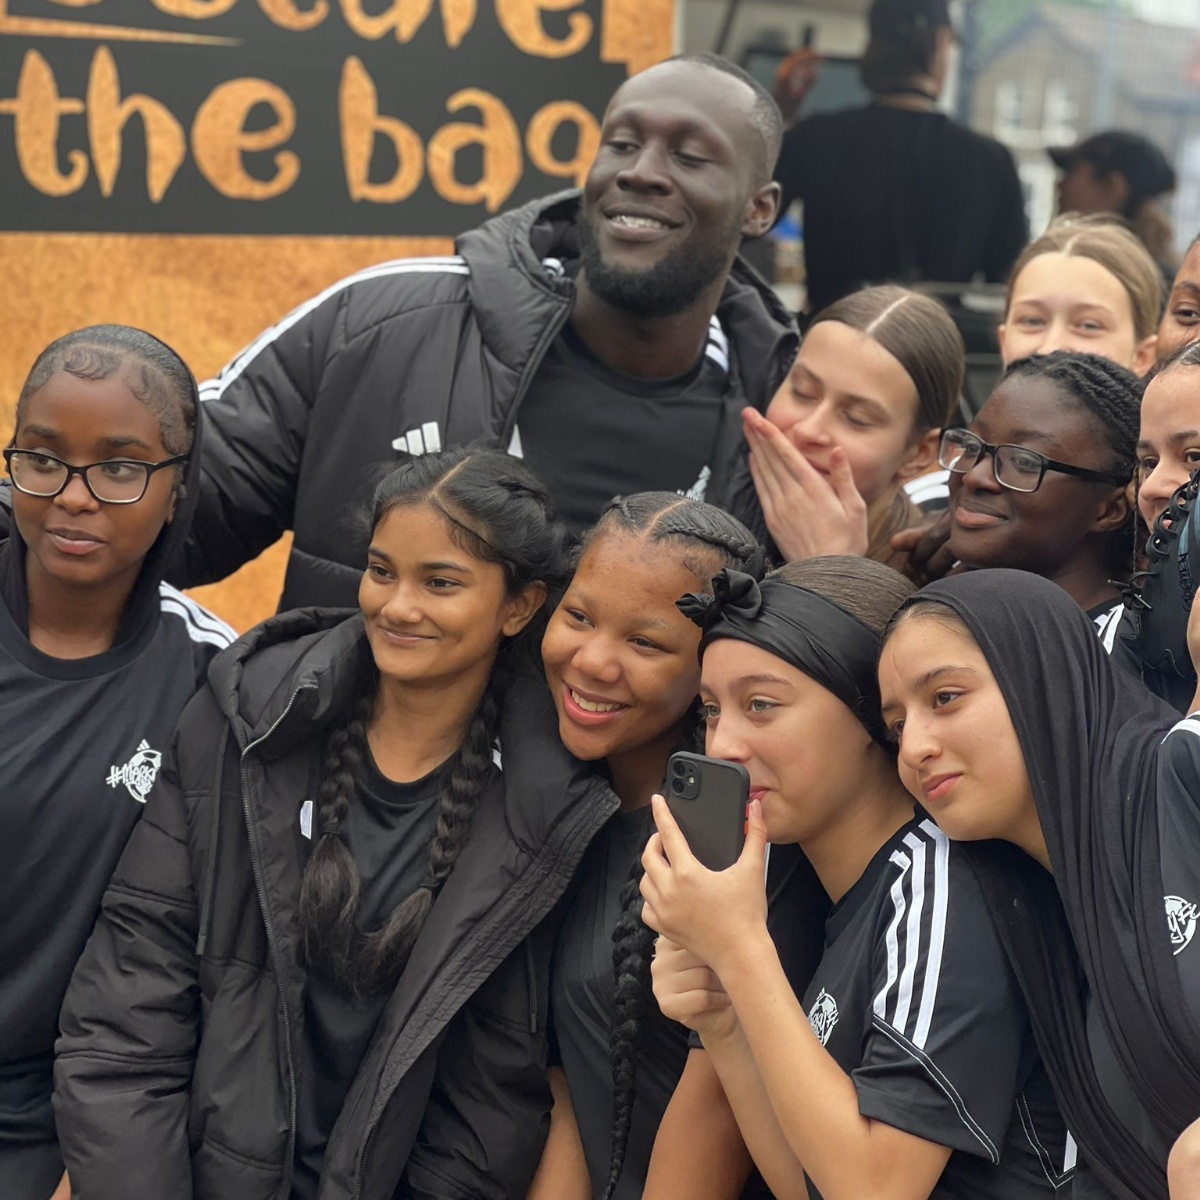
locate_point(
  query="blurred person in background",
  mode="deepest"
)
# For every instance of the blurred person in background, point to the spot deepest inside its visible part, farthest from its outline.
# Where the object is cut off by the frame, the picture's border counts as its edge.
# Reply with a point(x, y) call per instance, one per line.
point(897, 191)
point(1123, 173)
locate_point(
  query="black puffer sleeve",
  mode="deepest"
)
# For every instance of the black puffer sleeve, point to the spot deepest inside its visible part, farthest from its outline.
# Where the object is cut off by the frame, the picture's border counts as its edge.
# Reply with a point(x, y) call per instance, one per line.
point(257, 414)
point(129, 1022)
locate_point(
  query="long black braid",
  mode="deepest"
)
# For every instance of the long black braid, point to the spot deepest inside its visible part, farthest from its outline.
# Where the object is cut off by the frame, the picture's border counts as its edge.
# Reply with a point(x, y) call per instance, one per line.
point(498, 512)
point(706, 539)
point(1112, 395)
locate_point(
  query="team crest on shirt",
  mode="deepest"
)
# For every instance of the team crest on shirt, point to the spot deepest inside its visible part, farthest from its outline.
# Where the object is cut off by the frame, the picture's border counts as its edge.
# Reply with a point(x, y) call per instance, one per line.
point(1181, 921)
point(138, 774)
point(823, 1016)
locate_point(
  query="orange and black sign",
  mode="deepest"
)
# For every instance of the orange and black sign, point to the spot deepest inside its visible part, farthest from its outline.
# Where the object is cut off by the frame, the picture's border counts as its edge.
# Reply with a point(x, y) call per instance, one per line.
point(365, 117)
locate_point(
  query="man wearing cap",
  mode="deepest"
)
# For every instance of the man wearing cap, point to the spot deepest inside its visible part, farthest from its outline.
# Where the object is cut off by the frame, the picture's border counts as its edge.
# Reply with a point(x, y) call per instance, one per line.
point(897, 191)
point(1123, 173)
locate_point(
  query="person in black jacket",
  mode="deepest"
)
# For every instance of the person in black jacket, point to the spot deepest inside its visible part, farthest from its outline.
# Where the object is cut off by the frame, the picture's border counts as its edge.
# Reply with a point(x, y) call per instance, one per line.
point(1075, 791)
point(611, 337)
point(313, 975)
point(97, 659)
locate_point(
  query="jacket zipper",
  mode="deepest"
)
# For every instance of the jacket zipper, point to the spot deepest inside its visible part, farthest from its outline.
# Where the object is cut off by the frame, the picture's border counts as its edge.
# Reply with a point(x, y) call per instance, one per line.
point(369, 1141)
point(535, 360)
point(272, 943)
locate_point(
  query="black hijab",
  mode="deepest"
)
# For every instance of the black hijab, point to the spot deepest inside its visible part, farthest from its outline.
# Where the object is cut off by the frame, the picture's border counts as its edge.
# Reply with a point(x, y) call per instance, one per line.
point(144, 602)
point(1090, 736)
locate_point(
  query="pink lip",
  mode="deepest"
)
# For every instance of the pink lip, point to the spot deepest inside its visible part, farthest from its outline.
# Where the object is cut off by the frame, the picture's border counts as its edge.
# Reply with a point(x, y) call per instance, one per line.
point(939, 787)
point(73, 541)
point(590, 720)
point(969, 518)
point(394, 638)
point(757, 793)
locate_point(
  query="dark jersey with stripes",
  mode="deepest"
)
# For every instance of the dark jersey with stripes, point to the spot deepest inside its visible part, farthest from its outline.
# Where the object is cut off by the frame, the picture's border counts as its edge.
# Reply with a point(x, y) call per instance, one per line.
point(83, 740)
point(915, 1000)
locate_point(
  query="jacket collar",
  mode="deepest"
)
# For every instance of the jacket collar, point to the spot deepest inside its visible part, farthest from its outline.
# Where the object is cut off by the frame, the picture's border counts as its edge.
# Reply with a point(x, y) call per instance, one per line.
point(292, 676)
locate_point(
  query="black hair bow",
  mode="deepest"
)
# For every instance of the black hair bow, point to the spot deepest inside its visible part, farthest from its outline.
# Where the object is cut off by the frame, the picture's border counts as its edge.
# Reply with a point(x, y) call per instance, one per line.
point(733, 592)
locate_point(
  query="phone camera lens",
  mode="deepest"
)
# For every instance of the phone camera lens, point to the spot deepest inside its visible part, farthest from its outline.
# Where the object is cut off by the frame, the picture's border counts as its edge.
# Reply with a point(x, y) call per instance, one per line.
point(679, 768)
point(677, 786)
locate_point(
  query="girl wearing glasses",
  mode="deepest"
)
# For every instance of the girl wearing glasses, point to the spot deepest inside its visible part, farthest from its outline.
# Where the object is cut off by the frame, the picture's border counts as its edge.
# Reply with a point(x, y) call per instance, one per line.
point(97, 659)
point(1075, 791)
point(876, 378)
point(1039, 480)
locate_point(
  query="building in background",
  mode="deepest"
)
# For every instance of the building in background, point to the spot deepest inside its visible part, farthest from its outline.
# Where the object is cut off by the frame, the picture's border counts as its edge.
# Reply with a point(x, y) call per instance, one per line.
point(1064, 72)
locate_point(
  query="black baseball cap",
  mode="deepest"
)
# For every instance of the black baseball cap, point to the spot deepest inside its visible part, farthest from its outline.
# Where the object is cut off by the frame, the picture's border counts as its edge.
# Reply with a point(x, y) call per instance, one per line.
point(891, 19)
point(1143, 164)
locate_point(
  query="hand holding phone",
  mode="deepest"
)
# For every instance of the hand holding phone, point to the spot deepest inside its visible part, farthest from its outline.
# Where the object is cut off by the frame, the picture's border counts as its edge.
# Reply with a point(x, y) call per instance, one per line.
point(708, 798)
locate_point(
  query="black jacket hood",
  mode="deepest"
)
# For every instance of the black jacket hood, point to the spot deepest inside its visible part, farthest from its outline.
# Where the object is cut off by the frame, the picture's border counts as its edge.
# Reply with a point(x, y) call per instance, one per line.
point(143, 605)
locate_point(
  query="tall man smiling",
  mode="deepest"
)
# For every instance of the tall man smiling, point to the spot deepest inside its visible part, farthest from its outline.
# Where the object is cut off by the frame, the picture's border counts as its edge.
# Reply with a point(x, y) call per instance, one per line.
point(610, 336)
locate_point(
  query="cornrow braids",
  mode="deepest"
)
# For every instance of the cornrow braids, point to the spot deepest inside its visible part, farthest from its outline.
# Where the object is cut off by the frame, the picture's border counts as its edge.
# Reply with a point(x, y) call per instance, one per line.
point(707, 539)
point(498, 512)
point(1112, 395)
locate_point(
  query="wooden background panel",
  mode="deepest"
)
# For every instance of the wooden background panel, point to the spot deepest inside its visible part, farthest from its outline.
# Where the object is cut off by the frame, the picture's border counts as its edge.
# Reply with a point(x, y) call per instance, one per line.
point(206, 296)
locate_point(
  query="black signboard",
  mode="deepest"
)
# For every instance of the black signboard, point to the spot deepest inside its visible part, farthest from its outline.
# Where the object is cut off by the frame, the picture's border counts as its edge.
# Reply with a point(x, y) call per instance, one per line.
point(381, 117)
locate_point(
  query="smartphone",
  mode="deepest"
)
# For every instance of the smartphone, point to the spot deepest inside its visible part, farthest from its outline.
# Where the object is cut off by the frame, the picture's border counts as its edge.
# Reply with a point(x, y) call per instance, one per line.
point(808, 37)
point(708, 799)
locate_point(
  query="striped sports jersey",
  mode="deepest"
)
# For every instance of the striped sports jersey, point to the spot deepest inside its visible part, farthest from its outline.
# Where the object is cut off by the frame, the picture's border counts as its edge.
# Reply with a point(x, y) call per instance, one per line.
point(915, 1000)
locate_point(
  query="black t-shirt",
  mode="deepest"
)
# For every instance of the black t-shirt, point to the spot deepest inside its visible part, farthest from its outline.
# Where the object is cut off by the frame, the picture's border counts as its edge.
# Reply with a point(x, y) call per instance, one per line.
point(581, 994)
point(896, 195)
point(82, 743)
point(592, 433)
point(387, 830)
point(915, 1000)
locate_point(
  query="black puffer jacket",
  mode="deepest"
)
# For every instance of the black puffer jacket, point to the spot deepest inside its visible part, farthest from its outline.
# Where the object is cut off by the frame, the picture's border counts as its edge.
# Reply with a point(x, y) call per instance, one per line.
point(299, 422)
point(176, 1074)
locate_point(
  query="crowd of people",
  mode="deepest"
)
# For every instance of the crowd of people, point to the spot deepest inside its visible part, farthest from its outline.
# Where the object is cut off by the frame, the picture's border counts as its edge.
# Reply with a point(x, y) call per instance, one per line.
point(381, 900)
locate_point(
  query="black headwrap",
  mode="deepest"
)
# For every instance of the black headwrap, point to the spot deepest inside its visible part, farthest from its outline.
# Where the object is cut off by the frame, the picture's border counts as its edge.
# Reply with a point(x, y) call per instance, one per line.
point(144, 602)
point(800, 627)
point(1090, 735)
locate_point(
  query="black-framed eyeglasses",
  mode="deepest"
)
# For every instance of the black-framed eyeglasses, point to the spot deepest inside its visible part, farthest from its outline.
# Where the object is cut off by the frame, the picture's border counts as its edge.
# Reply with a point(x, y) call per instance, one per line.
point(114, 481)
point(1016, 467)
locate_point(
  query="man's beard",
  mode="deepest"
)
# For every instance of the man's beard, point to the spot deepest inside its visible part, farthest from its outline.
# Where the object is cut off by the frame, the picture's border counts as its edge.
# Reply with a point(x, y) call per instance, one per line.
point(669, 287)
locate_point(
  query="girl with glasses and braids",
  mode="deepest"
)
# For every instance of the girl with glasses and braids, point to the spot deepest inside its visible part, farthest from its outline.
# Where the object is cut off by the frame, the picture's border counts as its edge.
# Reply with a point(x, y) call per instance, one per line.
point(316, 970)
point(621, 665)
point(1040, 479)
point(1073, 792)
point(98, 657)
point(902, 1066)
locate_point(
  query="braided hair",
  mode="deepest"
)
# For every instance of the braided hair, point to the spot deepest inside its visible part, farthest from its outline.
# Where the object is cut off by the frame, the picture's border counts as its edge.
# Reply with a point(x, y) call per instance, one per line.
point(705, 538)
point(498, 512)
point(151, 370)
point(1112, 396)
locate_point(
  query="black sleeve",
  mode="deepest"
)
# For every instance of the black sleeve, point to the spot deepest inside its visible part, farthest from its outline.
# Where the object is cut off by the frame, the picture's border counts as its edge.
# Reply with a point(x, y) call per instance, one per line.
point(943, 1052)
point(256, 421)
point(1011, 228)
point(1178, 793)
point(486, 1121)
point(129, 1021)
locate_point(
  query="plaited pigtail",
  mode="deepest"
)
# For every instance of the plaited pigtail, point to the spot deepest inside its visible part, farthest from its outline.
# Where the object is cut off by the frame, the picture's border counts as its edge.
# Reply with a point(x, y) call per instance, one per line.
point(633, 949)
point(330, 889)
point(387, 950)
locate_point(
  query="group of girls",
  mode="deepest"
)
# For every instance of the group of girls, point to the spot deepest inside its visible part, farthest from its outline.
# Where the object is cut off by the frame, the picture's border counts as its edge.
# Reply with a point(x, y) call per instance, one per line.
point(386, 924)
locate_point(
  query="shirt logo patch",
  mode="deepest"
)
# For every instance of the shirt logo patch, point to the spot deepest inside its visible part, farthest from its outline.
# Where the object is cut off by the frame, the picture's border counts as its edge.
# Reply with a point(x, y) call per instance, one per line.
point(138, 774)
point(1181, 921)
point(824, 1016)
